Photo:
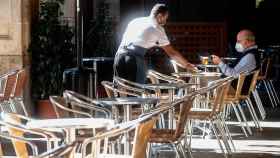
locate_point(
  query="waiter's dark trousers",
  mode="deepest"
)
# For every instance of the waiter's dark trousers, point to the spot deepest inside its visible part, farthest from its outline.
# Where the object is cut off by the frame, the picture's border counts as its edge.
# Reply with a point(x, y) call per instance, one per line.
point(126, 66)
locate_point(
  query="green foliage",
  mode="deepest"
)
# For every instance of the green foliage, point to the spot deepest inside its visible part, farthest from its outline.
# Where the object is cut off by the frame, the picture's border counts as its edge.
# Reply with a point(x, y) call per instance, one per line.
point(100, 39)
point(51, 50)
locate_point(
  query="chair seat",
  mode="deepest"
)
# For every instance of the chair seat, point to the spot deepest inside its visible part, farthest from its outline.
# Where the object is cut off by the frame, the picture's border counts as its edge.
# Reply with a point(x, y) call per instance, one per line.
point(230, 98)
point(112, 156)
point(162, 136)
point(200, 114)
point(243, 97)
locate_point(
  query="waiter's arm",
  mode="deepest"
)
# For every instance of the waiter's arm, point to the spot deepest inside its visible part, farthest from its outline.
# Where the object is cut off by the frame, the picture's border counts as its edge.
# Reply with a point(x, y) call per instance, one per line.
point(175, 55)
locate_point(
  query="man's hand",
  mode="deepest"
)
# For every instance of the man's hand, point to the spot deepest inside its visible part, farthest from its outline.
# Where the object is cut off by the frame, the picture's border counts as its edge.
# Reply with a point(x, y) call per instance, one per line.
point(215, 59)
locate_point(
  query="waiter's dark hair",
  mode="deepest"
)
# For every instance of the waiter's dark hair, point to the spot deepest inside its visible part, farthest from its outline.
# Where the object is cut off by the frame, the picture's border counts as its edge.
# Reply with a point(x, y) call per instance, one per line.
point(159, 9)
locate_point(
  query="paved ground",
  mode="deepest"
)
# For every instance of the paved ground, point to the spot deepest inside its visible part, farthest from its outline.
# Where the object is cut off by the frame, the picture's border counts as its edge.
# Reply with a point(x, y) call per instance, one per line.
point(265, 144)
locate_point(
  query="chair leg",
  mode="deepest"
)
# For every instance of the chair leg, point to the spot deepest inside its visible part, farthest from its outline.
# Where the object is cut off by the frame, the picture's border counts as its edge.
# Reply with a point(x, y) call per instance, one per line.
point(227, 132)
point(187, 145)
point(217, 137)
point(178, 155)
point(191, 133)
point(224, 111)
point(253, 113)
point(228, 110)
point(271, 92)
point(149, 150)
point(186, 132)
point(239, 119)
point(223, 134)
point(274, 92)
point(259, 104)
point(161, 121)
point(204, 129)
point(245, 119)
point(182, 150)
point(268, 93)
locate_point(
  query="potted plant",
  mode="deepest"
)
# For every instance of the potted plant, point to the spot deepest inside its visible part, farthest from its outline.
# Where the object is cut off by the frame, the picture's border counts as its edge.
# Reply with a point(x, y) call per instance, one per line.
point(51, 51)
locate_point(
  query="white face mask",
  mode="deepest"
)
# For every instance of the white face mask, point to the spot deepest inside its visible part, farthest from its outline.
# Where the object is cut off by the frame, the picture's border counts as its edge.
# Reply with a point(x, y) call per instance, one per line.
point(239, 47)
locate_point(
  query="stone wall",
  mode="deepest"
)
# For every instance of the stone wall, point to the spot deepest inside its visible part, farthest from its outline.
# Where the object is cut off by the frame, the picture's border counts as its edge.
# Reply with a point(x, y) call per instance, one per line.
point(14, 33)
point(15, 24)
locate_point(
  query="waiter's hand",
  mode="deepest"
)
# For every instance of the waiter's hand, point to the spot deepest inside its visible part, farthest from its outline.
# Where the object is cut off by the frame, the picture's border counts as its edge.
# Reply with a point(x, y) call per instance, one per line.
point(215, 59)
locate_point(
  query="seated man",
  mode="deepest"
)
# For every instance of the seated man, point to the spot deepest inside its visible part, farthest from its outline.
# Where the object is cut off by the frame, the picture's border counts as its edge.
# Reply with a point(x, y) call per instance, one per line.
point(248, 61)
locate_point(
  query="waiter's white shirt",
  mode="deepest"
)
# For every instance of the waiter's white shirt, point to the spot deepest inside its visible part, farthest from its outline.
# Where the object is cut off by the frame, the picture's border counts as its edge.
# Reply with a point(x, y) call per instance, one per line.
point(144, 32)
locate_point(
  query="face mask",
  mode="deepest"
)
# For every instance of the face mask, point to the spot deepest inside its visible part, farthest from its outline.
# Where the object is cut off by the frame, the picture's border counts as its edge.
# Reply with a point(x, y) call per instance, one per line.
point(239, 47)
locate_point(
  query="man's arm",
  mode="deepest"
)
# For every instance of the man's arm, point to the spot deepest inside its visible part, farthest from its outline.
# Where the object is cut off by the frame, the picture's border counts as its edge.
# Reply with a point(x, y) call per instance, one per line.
point(175, 55)
point(246, 64)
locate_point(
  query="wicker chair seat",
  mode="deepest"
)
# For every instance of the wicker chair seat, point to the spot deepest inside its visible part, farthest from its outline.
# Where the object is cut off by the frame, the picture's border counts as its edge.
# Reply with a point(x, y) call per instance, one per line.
point(243, 97)
point(200, 114)
point(163, 136)
point(230, 98)
point(111, 156)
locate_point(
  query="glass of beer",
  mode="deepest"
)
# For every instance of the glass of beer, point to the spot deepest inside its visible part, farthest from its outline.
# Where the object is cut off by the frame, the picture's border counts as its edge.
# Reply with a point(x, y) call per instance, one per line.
point(204, 60)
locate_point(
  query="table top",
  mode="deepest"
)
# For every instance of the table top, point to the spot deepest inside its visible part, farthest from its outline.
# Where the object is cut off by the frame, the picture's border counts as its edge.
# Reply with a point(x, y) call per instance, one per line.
point(71, 123)
point(127, 101)
point(207, 66)
point(200, 74)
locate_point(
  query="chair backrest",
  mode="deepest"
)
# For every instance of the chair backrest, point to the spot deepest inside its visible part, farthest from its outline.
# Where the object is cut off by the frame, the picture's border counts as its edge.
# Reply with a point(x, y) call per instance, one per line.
point(220, 102)
point(176, 66)
point(142, 134)
point(239, 85)
point(20, 144)
point(142, 126)
point(16, 134)
point(214, 94)
point(64, 109)
point(185, 107)
point(265, 66)
point(20, 83)
point(65, 150)
point(3, 80)
point(129, 86)
point(9, 85)
point(17, 127)
point(250, 82)
point(113, 91)
point(86, 103)
point(157, 77)
point(254, 81)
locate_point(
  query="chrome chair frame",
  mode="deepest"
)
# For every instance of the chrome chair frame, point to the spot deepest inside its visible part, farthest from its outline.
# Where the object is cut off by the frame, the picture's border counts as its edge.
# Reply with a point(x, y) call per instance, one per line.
point(87, 103)
point(14, 122)
point(213, 115)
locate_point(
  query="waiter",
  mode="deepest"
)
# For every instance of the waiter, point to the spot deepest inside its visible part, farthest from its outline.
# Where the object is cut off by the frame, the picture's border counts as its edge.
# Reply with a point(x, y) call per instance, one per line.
point(140, 35)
